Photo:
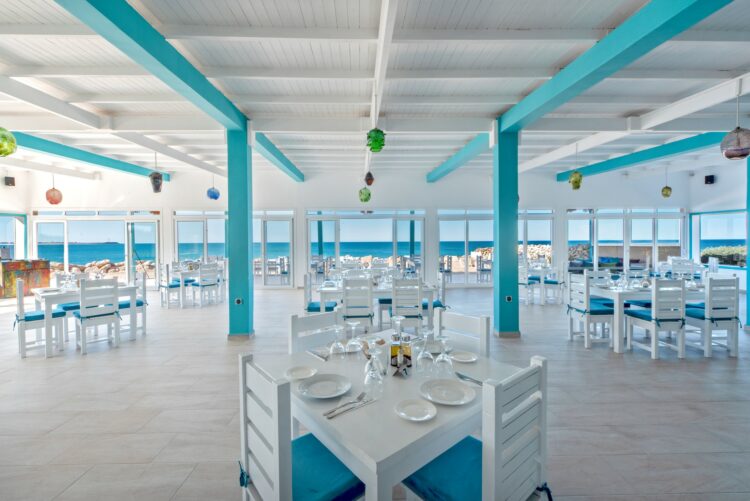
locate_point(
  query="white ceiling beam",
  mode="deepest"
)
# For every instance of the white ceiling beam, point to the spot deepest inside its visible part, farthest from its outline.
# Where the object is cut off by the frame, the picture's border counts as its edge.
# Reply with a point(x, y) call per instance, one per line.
point(570, 149)
point(168, 151)
point(260, 34)
point(24, 164)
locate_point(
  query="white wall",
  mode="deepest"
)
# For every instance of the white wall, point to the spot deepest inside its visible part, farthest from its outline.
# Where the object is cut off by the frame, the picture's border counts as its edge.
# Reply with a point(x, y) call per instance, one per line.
point(727, 193)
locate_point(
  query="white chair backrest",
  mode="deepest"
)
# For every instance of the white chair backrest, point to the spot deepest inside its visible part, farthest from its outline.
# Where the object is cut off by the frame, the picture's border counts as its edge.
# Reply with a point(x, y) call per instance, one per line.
point(681, 266)
point(598, 277)
point(99, 297)
point(266, 433)
point(355, 273)
point(357, 297)
point(523, 274)
point(312, 331)
point(578, 291)
point(668, 300)
point(165, 275)
point(208, 274)
point(308, 289)
point(722, 298)
point(514, 433)
point(140, 283)
point(441, 286)
point(20, 311)
point(471, 333)
point(407, 297)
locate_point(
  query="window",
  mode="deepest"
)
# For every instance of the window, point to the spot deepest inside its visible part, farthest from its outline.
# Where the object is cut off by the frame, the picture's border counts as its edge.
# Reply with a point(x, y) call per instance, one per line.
point(724, 236)
point(668, 239)
point(189, 240)
point(12, 237)
point(50, 243)
point(364, 241)
point(610, 243)
point(216, 237)
point(481, 249)
point(453, 250)
point(322, 248)
point(641, 243)
point(277, 248)
point(539, 240)
point(97, 247)
point(466, 246)
point(409, 244)
point(580, 244)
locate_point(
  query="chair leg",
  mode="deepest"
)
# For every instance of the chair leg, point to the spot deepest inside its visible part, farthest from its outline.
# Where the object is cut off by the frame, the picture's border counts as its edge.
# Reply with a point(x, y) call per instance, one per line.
point(628, 334)
point(587, 332)
point(570, 327)
point(84, 335)
point(681, 343)
point(143, 319)
point(117, 331)
point(22, 339)
point(708, 338)
point(654, 344)
point(734, 342)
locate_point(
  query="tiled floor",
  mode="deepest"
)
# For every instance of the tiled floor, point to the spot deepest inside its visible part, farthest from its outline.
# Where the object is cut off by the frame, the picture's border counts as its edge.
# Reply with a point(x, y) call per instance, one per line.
point(157, 418)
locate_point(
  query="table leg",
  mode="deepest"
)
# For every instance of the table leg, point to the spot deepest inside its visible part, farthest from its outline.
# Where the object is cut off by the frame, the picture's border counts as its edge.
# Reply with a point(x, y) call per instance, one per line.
point(134, 313)
point(182, 292)
point(542, 291)
point(48, 349)
point(376, 489)
point(617, 328)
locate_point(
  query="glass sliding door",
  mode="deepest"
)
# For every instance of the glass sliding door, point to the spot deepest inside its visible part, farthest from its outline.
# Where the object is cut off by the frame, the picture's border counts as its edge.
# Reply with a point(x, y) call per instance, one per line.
point(539, 241)
point(724, 236)
point(216, 238)
point(12, 237)
point(409, 245)
point(610, 243)
point(668, 238)
point(580, 244)
point(97, 247)
point(322, 237)
point(277, 248)
point(257, 251)
point(190, 240)
point(50, 244)
point(453, 250)
point(143, 250)
point(365, 241)
point(641, 243)
point(481, 249)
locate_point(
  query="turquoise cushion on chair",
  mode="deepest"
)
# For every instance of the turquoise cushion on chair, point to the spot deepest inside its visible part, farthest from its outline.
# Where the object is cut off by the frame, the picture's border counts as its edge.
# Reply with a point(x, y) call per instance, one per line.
point(314, 306)
point(390, 312)
point(91, 313)
point(534, 278)
point(385, 300)
point(600, 309)
point(435, 304)
point(643, 303)
point(33, 316)
point(317, 475)
point(700, 314)
point(455, 475)
point(125, 305)
point(701, 306)
point(551, 281)
point(70, 306)
point(641, 314)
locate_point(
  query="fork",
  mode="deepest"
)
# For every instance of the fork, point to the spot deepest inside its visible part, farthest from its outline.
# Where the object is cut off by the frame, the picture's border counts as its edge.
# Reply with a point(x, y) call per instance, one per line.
point(357, 400)
point(464, 377)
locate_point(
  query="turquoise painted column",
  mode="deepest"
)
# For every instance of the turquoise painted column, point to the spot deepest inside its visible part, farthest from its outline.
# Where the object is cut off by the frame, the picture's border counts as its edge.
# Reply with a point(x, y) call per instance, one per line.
point(505, 204)
point(240, 235)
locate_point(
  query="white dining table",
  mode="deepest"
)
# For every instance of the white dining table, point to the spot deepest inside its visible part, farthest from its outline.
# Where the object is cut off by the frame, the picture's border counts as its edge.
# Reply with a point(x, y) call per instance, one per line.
point(336, 293)
point(47, 298)
point(379, 447)
point(183, 275)
point(620, 296)
point(541, 272)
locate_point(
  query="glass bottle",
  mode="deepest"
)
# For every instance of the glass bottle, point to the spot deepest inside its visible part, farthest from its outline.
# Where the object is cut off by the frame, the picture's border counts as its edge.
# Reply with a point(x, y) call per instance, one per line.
point(395, 349)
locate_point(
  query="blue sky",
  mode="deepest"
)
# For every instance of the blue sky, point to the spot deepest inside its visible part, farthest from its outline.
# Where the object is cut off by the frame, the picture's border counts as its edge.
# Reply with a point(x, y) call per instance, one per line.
point(7, 229)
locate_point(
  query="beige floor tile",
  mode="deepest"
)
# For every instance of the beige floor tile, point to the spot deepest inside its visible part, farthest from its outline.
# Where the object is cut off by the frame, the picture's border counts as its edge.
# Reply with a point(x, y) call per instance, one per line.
point(197, 447)
point(187, 421)
point(38, 483)
point(114, 448)
point(211, 481)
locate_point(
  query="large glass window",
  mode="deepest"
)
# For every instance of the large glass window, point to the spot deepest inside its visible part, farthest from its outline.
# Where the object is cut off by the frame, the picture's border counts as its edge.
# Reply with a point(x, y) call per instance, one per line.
point(364, 241)
point(467, 246)
point(539, 241)
point(481, 250)
point(641, 243)
point(610, 243)
point(97, 247)
point(50, 243)
point(668, 232)
point(12, 237)
point(144, 249)
point(216, 238)
point(723, 236)
point(190, 240)
point(409, 244)
point(278, 244)
point(322, 248)
point(453, 250)
point(580, 244)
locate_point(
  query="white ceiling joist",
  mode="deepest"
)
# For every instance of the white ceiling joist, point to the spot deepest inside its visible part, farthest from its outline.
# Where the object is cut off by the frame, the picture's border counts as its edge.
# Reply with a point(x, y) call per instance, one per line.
point(168, 151)
point(21, 163)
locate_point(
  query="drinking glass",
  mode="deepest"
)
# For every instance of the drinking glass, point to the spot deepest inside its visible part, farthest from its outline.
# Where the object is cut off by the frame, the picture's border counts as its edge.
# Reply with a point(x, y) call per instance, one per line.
point(443, 364)
point(354, 345)
point(424, 365)
point(337, 350)
point(397, 323)
point(374, 377)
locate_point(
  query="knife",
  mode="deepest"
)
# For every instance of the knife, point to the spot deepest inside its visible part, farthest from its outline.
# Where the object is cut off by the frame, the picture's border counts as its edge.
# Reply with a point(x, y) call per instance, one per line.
point(351, 408)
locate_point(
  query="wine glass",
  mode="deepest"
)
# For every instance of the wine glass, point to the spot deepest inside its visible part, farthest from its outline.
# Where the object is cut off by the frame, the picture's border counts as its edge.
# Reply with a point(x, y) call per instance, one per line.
point(443, 364)
point(337, 350)
point(397, 323)
point(354, 345)
point(423, 367)
point(374, 371)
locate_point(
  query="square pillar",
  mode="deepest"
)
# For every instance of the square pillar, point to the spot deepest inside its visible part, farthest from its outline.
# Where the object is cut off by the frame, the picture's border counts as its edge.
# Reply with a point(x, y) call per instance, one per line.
point(747, 236)
point(240, 234)
point(505, 205)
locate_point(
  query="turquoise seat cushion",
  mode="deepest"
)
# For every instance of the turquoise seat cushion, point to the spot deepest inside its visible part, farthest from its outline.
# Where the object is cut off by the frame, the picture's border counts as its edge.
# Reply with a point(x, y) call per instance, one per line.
point(125, 305)
point(419, 315)
point(385, 300)
point(314, 306)
point(70, 306)
point(643, 303)
point(551, 281)
point(455, 475)
point(700, 314)
point(701, 306)
point(202, 284)
point(435, 304)
point(600, 309)
point(187, 280)
point(91, 313)
point(36, 315)
point(174, 284)
point(535, 278)
point(317, 475)
point(640, 314)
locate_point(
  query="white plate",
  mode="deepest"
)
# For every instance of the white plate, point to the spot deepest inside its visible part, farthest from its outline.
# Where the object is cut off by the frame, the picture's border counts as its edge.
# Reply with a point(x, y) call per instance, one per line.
point(325, 386)
point(464, 357)
point(447, 392)
point(300, 372)
point(415, 410)
point(435, 349)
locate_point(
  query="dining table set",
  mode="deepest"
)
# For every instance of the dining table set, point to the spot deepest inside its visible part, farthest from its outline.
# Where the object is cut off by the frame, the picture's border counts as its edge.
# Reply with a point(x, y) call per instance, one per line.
point(386, 403)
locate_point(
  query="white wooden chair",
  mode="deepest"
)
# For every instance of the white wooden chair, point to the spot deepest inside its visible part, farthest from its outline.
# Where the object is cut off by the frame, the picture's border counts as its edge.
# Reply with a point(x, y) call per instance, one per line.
point(588, 312)
point(99, 306)
point(168, 286)
point(510, 462)
point(312, 331)
point(407, 301)
point(140, 306)
point(528, 285)
point(207, 284)
point(720, 311)
point(357, 302)
point(666, 314)
point(554, 283)
point(464, 331)
point(384, 303)
point(273, 466)
point(35, 320)
point(311, 306)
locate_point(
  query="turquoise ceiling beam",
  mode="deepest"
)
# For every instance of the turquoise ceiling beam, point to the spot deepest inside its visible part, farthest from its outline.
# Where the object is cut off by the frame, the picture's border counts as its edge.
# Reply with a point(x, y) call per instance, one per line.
point(654, 24)
point(270, 152)
point(62, 150)
point(682, 146)
point(126, 29)
point(470, 151)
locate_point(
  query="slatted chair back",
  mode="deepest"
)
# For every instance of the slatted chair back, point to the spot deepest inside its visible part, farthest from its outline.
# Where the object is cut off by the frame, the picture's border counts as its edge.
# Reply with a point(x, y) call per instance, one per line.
point(308, 289)
point(165, 275)
point(523, 273)
point(598, 277)
point(99, 297)
point(266, 433)
point(470, 332)
point(681, 266)
point(208, 274)
point(20, 309)
point(722, 298)
point(441, 287)
point(578, 291)
point(312, 331)
point(357, 297)
point(514, 431)
point(407, 297)
point(668, 301)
